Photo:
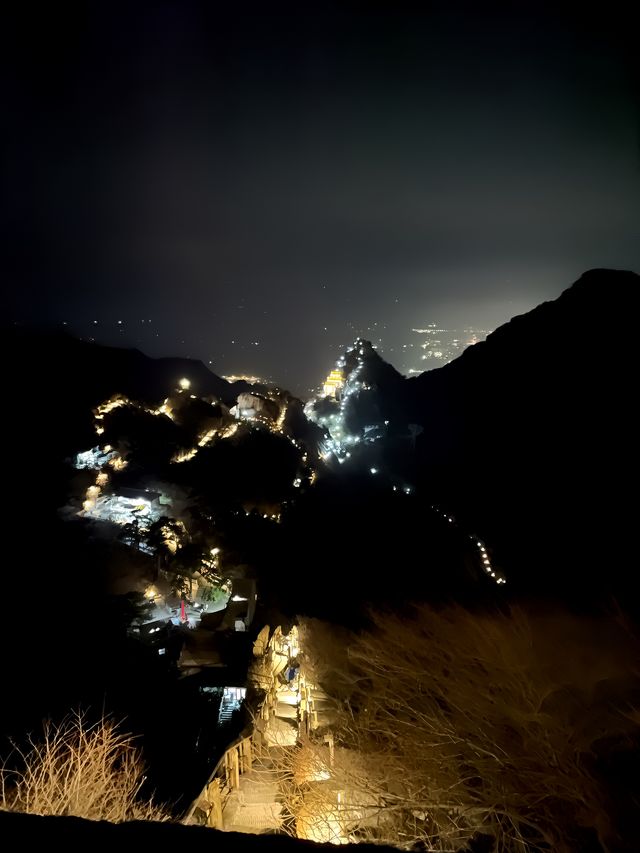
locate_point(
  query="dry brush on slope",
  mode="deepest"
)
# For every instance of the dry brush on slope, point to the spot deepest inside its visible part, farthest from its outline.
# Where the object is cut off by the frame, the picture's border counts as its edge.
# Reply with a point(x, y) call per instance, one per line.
point(82, 770)
point(455, 724)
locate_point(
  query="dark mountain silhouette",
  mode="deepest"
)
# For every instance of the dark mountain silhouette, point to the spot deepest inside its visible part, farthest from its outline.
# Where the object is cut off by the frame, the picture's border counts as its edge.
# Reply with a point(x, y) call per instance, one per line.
point(374, 370)
point(54, 380)
point(529, 437)
point(526, 436)
point(98, 371)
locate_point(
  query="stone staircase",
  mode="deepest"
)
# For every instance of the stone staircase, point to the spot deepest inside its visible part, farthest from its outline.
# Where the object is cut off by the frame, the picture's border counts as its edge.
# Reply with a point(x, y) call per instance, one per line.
point(254, 807)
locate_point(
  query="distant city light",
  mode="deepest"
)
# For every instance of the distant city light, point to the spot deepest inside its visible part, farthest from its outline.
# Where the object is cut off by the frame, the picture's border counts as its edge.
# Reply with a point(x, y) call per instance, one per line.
point(184, 384)
point(441, 345)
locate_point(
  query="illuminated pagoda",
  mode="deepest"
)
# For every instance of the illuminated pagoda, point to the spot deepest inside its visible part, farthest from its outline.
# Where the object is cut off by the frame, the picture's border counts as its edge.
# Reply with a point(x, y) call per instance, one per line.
point(333, 383)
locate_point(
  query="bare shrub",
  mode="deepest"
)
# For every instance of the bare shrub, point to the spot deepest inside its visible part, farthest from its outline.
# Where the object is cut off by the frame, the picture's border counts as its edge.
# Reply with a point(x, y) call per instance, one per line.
point(455, 723)
point(85, 770)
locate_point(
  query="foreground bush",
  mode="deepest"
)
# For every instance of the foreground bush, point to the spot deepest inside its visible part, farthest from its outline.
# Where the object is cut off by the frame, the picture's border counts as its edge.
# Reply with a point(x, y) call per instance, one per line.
point(79, 769)
point(455, 725)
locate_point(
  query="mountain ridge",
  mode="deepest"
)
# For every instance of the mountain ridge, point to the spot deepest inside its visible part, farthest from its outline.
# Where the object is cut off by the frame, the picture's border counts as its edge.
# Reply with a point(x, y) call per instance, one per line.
point(528, 434)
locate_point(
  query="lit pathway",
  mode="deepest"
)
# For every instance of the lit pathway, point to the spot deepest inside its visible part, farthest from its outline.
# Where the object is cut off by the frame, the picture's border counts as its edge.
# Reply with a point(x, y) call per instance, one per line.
point(254, 807)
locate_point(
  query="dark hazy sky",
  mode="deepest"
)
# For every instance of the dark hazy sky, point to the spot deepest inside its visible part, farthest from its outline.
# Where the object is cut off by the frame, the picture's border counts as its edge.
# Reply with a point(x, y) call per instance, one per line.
point(233, 173)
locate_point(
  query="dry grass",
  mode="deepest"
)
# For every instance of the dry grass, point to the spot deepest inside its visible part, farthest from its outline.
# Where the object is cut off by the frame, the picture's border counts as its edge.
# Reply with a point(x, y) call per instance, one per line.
point(86, 770)
point(456, 723)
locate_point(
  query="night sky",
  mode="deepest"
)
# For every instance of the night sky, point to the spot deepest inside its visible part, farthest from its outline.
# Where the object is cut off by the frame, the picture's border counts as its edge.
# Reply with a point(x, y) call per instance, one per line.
point(254, 185)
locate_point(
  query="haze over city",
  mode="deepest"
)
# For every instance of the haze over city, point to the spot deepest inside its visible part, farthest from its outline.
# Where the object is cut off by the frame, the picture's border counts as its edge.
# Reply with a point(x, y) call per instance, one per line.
point(257, 190)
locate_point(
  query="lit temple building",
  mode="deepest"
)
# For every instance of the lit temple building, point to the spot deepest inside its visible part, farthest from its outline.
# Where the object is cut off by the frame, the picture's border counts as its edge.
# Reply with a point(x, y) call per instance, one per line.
point(333, 383)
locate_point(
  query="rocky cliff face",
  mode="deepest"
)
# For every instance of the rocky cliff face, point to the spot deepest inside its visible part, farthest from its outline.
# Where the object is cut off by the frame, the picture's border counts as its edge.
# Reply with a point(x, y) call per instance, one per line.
point(257, 406)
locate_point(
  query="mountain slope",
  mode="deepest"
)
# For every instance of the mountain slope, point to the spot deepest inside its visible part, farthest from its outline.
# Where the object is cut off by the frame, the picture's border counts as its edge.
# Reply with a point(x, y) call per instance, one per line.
point(55, 380)
point(528, 435)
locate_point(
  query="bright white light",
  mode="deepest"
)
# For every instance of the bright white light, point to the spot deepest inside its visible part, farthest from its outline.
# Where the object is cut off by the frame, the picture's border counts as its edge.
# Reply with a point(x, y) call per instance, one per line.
point(185, 384)
point(374, 470)
point(238, 598)
point(94, 458)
